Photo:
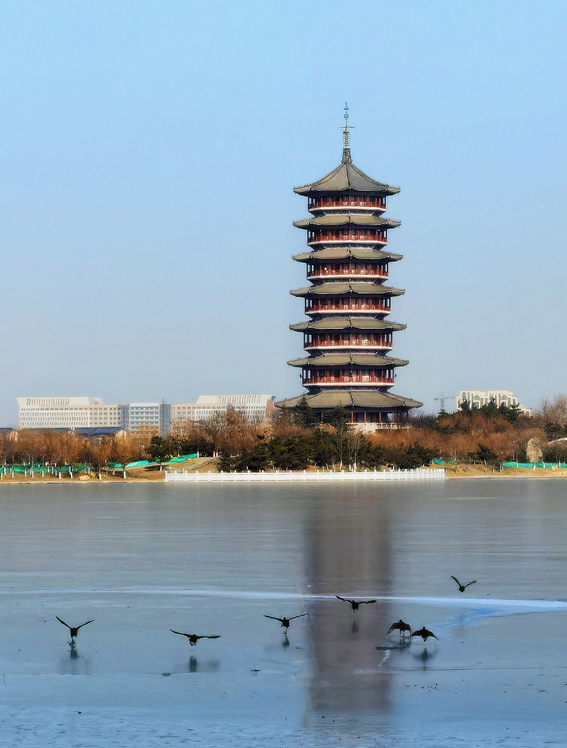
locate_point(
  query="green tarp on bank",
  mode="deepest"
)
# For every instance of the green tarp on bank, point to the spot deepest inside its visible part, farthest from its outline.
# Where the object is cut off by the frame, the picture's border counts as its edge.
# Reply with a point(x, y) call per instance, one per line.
point(145, 463)
point(546, 465)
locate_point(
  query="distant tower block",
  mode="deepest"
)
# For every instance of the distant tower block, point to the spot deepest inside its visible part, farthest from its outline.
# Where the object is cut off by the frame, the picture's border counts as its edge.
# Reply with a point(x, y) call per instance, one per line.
point(348, 336)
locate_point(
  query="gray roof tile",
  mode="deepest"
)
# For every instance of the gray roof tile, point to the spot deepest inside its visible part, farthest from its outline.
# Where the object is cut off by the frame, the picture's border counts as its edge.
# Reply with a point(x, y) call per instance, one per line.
point(347, 178)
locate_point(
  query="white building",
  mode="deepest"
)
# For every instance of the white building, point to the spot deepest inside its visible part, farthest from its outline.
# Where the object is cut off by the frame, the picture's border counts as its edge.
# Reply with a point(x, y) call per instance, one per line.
point(183, 412)
point(65, 412)
point(478, 398)
point(254, 408)
point(155, 415)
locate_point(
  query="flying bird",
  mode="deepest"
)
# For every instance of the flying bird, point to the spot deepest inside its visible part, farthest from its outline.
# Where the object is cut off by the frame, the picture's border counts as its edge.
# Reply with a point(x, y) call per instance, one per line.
point(462, 587)
point(355, 603)
point(285, 621)
point(74, 630)
point(193, 638)
point(424, 633)
point(400, 626)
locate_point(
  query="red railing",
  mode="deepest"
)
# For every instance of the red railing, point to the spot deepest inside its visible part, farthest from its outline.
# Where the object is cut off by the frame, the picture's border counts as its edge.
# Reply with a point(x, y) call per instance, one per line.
point(348, 380)
point(318, 307)
point(360, 343)
point(376, 203)
point(347, 273)
point(370, 235)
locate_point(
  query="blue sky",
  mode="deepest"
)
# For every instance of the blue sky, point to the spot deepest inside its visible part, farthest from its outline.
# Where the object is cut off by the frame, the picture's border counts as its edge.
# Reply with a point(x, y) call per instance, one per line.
point(147, 161)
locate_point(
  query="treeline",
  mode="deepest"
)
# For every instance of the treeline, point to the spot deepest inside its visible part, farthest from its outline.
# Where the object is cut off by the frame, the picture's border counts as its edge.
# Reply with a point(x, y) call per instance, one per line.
point(294, 440)
point(297, 440)
point(31, 446)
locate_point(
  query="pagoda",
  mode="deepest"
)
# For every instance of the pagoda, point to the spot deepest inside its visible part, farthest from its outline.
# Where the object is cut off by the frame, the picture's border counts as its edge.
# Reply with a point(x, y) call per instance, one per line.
point(348, 337)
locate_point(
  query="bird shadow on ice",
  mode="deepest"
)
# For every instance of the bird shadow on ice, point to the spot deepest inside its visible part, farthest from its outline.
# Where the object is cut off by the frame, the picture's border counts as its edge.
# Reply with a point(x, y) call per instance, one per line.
point(423, 653)
point(197, 666)
point(73, 663)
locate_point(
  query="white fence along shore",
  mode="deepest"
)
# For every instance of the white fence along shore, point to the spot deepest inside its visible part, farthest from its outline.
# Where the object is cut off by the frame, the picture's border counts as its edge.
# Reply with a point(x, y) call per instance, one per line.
point(303, 476)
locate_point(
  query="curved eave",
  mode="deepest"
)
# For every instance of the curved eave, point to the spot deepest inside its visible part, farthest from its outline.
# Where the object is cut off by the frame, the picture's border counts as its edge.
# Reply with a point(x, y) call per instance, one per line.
point(347, 178)
point(347, 323)
point(353, 399)
point(347, 219)
point(339, 288)
point(366, 360)
point(347, 253)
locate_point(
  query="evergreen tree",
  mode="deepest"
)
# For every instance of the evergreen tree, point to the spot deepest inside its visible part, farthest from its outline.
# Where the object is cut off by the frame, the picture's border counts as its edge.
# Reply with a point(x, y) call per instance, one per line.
point(157, 450)
point(303, 414)
point(465, 407)
point(225, 463)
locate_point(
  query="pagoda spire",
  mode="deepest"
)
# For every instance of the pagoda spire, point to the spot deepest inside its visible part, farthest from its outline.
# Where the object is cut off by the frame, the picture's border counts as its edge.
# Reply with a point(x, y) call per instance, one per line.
point(347, 159)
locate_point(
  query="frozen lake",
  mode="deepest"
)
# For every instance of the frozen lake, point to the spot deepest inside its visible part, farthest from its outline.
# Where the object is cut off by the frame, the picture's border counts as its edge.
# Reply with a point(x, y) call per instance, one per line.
point(141, 559)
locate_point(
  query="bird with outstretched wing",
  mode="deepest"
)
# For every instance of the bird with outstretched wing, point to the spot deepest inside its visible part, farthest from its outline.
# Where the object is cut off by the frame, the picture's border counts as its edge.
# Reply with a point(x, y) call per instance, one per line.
point(462, 587)
point(285, 621)
point(194, 638)
point(74, 630)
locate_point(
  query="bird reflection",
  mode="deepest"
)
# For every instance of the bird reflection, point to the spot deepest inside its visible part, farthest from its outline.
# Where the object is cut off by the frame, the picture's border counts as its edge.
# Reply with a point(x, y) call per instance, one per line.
point(193, 665)
point(354, 627)
point(74, 663)
point(423, 657)
point(285, 642)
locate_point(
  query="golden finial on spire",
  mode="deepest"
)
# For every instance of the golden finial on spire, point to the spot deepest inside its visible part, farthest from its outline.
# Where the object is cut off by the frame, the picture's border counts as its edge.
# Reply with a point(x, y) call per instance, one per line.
point(346, 138)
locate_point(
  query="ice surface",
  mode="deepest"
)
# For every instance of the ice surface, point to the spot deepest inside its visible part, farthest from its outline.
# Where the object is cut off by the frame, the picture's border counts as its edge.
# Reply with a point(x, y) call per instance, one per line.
point(144, 559)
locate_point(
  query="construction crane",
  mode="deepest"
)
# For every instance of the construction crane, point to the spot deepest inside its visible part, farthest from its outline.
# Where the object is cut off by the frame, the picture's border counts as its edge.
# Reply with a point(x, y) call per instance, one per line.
point(442, 401)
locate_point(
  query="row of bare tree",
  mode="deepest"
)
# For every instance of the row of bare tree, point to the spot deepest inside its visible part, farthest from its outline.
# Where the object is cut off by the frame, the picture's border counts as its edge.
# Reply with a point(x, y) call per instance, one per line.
point(450, 435)
point(52, 447)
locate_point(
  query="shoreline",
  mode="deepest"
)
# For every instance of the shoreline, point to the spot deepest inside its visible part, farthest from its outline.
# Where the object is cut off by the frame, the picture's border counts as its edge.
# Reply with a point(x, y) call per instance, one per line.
point(459, 472)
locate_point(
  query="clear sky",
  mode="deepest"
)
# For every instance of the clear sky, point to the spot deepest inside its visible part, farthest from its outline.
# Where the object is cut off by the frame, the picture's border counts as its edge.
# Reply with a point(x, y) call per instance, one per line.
point(148, 156)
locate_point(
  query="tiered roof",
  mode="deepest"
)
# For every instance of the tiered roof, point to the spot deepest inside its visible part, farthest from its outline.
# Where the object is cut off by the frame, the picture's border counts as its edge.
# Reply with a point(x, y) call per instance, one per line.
point(363, 399)
point(347, 178)
point(340, 288)
point(347, 323)
point(347, 253)
point(366, 220)
point(365, 360)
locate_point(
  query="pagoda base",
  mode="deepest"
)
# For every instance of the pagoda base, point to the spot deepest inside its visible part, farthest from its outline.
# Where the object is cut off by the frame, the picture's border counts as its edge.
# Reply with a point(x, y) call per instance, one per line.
point(377, 409)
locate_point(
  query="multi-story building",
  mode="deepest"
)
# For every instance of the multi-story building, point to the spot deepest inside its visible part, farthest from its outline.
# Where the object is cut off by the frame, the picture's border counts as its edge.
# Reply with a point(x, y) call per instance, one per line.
point(348, 335)
point(182, 412)
point(153, 415)
point(254, 408)
point(478, 398)
point(65, 412)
